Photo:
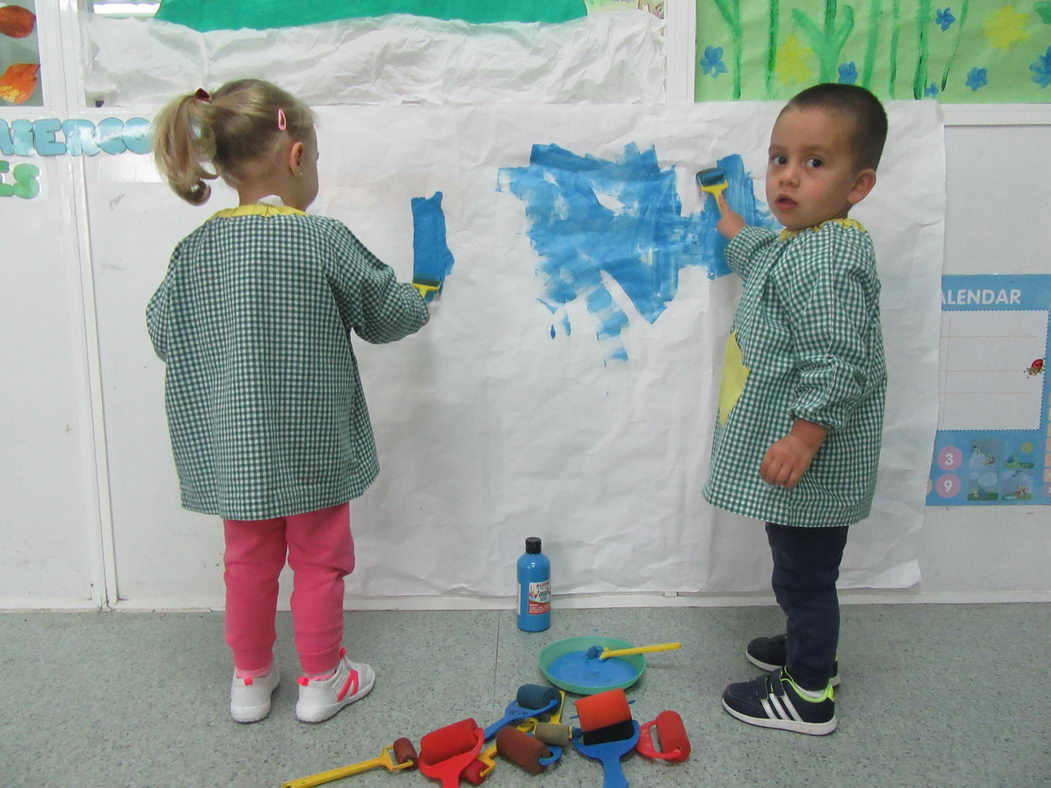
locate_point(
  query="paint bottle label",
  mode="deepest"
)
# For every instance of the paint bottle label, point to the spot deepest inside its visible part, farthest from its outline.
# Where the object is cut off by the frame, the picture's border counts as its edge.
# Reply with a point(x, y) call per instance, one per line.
point(540, 597)
point(534, 588)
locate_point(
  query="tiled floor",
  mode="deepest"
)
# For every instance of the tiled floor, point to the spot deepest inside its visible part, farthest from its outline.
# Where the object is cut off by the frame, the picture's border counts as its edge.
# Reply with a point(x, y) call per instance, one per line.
point(932, 695)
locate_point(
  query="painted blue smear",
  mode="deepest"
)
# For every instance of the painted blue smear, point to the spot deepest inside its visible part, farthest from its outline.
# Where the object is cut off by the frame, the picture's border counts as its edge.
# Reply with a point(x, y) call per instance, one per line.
point(591, 220)
point(432, 260)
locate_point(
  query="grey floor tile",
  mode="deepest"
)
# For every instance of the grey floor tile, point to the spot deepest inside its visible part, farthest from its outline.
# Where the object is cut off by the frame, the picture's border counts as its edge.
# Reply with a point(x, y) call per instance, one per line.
point(932, 695)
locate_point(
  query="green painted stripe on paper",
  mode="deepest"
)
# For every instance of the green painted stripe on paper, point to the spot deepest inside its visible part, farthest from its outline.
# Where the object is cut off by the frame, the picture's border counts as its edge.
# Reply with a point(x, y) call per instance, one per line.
point(264, 14)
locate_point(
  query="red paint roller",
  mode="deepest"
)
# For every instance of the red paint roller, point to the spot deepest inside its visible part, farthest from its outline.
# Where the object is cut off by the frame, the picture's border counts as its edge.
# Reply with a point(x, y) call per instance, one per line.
point(522, 749)
point(446, 752)
point(671, 737)
point(605, 717)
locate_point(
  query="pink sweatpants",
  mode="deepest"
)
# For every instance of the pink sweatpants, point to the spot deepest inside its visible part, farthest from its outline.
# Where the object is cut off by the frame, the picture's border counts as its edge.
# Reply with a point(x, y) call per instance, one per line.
point(320, 551)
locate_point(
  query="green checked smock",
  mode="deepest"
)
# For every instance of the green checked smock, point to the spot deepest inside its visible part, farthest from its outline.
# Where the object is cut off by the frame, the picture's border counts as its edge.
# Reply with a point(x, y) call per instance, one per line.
point(806, 344)
point(265, 406)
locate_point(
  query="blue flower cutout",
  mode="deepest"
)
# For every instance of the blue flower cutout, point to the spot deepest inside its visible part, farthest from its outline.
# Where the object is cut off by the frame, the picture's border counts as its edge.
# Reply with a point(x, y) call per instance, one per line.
point(977, 78)
point(931, 91)
point(712, 64)
point(944, 19)
point(848, 73)
point(1041, 68)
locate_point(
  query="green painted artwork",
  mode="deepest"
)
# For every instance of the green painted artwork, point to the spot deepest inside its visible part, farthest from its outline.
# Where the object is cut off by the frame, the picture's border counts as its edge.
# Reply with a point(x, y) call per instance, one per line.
point(264, 14)
point(967, 51)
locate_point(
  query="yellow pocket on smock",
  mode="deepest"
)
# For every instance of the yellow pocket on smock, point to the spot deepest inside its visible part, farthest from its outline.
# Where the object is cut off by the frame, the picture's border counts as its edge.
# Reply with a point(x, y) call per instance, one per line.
point(735, 373)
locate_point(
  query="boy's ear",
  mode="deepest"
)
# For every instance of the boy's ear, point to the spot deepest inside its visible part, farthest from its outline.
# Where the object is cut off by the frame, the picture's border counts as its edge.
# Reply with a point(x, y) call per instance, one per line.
point(862, 186)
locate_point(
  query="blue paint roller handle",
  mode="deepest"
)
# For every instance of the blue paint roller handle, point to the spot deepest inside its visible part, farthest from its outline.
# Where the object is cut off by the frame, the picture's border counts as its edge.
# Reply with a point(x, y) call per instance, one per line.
point(612, 773)
point(516, 712)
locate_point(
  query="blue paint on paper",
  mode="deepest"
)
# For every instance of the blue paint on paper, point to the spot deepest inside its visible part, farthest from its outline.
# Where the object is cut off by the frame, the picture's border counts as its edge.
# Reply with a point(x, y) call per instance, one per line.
point(593, 220)
point(432, 260)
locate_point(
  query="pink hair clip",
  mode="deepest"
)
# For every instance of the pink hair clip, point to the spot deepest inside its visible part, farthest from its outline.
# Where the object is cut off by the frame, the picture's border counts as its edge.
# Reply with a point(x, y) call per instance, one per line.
point(282, 122)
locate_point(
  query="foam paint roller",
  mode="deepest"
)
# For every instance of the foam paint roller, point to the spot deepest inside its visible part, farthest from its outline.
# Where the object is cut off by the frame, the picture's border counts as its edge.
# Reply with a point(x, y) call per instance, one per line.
point(713, 180)
point(401, 755)
point(537, 696)
point(522, 749)
point(446, 752)
point(444, 743)
point(605, 717)
point(553, 733)
point(530, 701)
point(671, 738)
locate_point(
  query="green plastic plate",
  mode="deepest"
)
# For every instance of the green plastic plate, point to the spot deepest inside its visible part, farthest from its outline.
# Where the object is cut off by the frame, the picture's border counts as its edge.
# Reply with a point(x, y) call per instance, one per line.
point(550, 653)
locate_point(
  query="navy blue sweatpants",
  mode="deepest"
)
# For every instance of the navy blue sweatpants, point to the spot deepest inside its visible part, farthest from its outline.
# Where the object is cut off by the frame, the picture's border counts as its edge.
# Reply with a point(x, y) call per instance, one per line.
point(806, 567)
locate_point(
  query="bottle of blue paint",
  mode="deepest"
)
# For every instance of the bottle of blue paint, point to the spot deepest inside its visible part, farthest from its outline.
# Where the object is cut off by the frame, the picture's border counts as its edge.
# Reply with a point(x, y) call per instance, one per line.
point(534, 588)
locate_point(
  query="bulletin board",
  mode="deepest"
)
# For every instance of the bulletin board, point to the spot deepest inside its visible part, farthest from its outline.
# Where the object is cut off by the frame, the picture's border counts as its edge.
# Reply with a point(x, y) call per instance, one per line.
point(970, 51)
point(19, 55)
point(993, 445)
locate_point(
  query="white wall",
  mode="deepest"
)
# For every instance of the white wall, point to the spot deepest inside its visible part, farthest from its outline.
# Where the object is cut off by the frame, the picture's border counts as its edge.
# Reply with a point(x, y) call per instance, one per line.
point(57, 522)
point(997, 185)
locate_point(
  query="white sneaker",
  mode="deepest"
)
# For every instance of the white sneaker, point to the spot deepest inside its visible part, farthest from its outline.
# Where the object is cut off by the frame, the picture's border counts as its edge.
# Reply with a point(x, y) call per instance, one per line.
point(320, 699)
point(250, 697)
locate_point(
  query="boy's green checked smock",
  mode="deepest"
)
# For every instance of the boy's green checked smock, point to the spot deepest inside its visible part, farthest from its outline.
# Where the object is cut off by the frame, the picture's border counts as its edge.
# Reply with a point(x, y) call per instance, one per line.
point(806, 344)
point(265, 406)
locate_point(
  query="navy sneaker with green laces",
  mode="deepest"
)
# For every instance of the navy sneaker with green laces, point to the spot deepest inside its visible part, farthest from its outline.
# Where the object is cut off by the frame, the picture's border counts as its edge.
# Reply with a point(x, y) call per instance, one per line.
point(772, 653)
point(775, 701)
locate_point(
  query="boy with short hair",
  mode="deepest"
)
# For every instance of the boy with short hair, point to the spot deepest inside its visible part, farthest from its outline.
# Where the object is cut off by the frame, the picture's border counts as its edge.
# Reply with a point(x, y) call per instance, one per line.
point(801, 406)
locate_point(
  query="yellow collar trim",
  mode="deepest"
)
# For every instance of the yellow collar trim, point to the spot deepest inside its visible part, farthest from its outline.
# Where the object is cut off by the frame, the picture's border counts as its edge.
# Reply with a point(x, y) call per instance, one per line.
point(854, 223)
point(259, 209)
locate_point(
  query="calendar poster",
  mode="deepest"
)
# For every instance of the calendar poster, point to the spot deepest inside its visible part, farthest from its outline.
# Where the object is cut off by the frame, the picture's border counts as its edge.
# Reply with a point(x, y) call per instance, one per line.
point(993, 445)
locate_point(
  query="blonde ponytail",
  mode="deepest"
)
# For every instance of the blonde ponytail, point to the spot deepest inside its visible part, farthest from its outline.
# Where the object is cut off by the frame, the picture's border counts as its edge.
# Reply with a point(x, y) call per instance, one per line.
point(182, 143)
point(233, 131)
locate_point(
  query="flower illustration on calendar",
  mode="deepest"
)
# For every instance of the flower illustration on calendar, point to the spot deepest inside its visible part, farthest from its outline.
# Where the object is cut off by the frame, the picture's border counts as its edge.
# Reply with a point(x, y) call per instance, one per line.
point(1036, 368)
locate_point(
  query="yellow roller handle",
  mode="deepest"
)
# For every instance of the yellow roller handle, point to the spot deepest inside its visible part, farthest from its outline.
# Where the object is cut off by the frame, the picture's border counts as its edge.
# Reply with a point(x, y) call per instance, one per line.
point(556, 715)
point(384, 759)
point(425, 289)
point(624, 652)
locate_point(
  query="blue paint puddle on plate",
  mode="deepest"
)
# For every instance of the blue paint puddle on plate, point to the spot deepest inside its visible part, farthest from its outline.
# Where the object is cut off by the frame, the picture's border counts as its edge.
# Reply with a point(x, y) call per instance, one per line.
point(576, 668)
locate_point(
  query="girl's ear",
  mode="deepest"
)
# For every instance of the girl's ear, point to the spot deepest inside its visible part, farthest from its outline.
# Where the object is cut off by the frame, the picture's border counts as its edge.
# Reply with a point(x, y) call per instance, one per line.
point(862, 186)
point(295, 158)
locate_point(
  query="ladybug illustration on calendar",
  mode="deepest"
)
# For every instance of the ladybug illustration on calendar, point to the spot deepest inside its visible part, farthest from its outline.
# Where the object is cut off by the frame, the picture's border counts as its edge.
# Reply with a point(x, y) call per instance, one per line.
point(1036, 368)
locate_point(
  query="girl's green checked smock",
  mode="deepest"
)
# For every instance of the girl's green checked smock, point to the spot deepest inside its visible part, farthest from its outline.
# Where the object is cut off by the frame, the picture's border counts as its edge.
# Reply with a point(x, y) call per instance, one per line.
point(806, 344)
point(265, 406)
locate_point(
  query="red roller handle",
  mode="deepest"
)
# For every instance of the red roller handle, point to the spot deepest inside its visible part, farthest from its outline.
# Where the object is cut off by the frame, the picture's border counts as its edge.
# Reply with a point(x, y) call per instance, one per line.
point(671, 736)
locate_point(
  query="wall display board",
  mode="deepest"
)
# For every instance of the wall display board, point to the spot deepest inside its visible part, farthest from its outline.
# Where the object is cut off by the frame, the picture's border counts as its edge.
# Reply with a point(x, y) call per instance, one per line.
point(19, 55)
point(972, 51)
point(994, 430)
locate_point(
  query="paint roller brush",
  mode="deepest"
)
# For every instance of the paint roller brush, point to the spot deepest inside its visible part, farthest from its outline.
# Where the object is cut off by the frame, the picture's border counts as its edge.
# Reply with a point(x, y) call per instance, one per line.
point(522, 749)
point(397, 757)
point(483, 765)
point(606, 653)
point(446, 752)
point(712, 180)
point(554, 732)
point(604, 717)
point(671, 738)
point(530, 701)
point(607, 732)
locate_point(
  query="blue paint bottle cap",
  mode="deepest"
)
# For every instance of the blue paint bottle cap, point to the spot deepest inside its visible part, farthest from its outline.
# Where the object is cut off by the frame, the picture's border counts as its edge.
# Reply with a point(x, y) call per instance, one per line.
point(533, 545)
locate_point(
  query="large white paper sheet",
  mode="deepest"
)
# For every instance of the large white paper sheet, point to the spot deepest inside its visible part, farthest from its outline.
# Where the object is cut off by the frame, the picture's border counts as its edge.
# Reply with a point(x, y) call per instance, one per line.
point(603, 58)
point(497, 423)
point(587, 421)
